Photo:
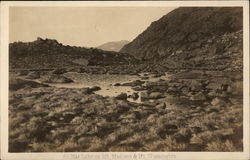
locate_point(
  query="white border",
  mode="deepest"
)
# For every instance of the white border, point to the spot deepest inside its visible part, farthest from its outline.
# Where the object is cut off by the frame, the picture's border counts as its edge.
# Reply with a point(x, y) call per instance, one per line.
point(87, 155)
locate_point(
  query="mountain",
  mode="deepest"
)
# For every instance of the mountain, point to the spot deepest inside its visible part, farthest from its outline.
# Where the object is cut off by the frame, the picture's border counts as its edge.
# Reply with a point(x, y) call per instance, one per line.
point(113, 46)
point(192, 37)
point(48, 53)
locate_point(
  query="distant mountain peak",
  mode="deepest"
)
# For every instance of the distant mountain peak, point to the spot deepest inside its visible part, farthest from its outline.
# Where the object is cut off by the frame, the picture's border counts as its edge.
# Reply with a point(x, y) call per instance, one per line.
point(113, 46)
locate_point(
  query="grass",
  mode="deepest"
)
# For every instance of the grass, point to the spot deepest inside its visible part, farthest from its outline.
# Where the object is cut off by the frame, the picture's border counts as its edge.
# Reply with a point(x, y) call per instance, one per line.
point(48, 119)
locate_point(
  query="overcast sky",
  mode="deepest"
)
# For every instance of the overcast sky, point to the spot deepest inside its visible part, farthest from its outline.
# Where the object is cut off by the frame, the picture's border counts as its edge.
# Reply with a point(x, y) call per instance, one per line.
point(82, 26)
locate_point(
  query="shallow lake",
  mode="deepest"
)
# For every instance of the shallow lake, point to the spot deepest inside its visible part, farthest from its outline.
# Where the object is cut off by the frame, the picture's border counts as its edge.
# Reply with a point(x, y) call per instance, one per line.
point(106, 82)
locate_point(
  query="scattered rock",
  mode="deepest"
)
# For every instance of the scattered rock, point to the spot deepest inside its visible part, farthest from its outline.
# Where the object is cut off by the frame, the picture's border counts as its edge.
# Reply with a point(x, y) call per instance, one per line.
point(56, 79)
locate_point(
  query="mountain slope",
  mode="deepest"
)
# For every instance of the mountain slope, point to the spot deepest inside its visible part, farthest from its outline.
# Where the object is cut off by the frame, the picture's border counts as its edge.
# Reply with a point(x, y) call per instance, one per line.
point(113, 46)
point(189, 33)
point(47, 53)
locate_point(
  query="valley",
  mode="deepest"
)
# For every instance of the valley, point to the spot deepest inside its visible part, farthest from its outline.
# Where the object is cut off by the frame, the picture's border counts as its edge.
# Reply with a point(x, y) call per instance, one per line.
point(178, 86)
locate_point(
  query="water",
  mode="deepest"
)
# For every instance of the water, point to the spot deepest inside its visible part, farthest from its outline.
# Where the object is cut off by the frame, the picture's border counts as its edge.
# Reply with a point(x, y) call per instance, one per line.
point(106, 82)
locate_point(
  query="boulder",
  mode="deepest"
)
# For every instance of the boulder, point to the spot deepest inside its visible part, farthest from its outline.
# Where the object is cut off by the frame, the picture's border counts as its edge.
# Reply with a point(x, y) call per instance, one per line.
point(213, 93)
point(144, 95)
point(122, 96)
point(185, 90)
point(214, 86)
point(156, 95)
point(117, 84)
point(218, 102)
point(141, 88)
point(195, 85)
point(161, 106)
point(198, 97)
point(94, 88)
point(134, 96)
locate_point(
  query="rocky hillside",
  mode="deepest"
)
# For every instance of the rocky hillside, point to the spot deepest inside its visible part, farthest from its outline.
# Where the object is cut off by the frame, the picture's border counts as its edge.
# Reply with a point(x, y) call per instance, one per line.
point(113, 46)
point(193, 37)
point(48, 53)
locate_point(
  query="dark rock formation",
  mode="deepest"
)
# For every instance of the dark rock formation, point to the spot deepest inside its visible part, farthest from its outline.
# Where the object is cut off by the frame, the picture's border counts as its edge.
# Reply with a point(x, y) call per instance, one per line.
point(191, 37)
point(48, 53)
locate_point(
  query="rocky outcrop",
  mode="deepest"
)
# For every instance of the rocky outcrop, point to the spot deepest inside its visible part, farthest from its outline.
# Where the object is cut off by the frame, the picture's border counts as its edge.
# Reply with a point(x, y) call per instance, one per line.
point(48, 53)
point(16, 83)
point(193, 37)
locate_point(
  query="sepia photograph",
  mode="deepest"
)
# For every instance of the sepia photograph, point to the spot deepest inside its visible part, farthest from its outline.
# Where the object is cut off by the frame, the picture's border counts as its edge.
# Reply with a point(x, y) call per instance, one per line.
point(126, 79)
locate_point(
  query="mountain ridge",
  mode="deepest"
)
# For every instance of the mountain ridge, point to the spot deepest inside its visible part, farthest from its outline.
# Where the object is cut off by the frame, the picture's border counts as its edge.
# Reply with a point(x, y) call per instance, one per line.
point(49, 53)
point(184, 29)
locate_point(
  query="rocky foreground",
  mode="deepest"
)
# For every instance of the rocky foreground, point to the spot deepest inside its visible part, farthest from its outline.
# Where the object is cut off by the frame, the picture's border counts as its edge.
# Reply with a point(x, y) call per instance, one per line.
point(192, 111)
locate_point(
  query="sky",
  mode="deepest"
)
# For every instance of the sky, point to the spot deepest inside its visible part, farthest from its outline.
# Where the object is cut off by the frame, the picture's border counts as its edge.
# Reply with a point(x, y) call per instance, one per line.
point(81, 26)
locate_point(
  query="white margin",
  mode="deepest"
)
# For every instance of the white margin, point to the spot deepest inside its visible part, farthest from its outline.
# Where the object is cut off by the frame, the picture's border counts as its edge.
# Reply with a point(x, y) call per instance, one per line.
point(87, 155)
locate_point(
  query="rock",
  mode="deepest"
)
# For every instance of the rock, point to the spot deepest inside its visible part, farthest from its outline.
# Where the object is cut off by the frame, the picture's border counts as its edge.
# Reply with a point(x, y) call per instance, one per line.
point(23, 73)
point(237, 88)
point(139, 88)
point(229, 89)
point(95, 88)
point(238, 77)
point(33, 75)
point(134, 96)
point(214, 86)
point(59, 71)
point(213, 93)
point(188, 75)
point(161, 106)
point(148, 105)
point(15, 84)
point(218, 102)
point(121, 96)
point(195, 85)
point(77, 120)
point(57, 79)
point(185, 90)
point(173, 89)
point(117, 84)
point(144, 95)
point(198, 97)
point(156, 95)
point(68, 115)
point(134, 83)
point(144, 78)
